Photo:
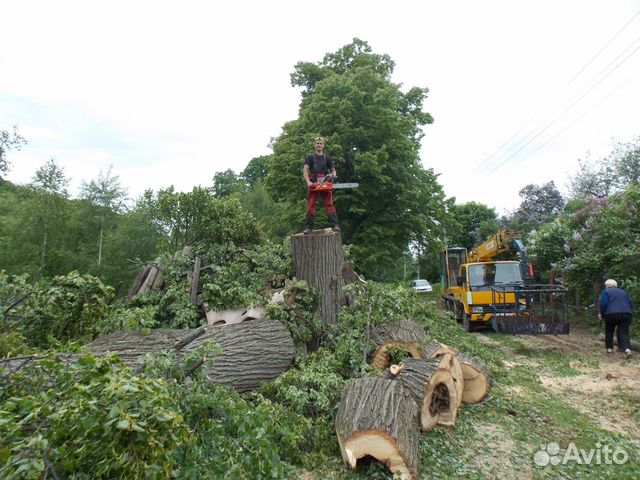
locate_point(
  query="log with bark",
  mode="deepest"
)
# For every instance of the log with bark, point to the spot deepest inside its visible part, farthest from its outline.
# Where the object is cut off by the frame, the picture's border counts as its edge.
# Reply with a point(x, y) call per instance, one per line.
point(432, 387)
point(319, 260)
point(405, 335)
point(436, 350)
point(252, 352)
point(477, 379)
point(378, 418)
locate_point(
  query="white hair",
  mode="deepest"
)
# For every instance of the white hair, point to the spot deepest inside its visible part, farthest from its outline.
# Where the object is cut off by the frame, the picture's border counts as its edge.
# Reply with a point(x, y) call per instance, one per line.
point(611, 283)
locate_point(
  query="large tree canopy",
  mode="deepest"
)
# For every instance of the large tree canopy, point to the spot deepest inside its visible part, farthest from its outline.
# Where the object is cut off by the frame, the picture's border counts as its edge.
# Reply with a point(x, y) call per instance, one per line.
point(373, 133)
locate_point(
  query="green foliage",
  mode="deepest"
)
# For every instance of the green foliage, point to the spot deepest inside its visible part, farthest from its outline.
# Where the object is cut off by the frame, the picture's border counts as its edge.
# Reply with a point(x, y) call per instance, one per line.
point(87, 419)
point(298, 311)
point(474, 222)
point(9, 141)
point(65, 308)
point(130, 319)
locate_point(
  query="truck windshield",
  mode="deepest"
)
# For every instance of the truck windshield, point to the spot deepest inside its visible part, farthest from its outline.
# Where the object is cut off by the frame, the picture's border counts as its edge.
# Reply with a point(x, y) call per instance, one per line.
point(483, 276)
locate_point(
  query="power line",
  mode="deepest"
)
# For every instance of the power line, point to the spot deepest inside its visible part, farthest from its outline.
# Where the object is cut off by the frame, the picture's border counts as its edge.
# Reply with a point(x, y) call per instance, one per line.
point(578, 118)
point(559, 91)
point(565, 111)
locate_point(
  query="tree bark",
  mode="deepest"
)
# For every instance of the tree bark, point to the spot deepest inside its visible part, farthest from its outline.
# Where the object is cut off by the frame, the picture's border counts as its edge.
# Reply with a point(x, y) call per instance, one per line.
point(252, 352)
point(319, 260)
point(432, 387)
point(477, 379)
point(148, 282)
point(195, 283)
point(379, 418)
point(435, 349)
point(137, 283)
point(405, 335)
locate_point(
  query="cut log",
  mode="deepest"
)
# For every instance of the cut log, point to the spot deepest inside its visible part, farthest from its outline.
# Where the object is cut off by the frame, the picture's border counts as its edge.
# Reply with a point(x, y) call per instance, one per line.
point(432, 387)
point(151, 276)
point(319, 260)
point(437, 350)
point(252, 352)
point(195, 282)
point(405, 336)
point(137, 283)
point(157, 283)
point(378, 417)
point(477, 379)
point(228, 317)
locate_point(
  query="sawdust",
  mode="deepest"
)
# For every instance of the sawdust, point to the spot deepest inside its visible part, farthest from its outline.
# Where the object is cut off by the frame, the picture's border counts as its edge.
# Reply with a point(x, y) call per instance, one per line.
point(498, 463)
point(603, 383)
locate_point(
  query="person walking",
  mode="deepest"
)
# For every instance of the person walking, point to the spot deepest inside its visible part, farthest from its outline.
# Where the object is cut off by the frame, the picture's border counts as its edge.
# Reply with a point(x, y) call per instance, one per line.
point(317, 166)
point(616, 309)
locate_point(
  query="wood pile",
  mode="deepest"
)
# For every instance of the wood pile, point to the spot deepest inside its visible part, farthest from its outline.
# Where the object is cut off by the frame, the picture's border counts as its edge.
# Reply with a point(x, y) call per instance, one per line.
point(375, 418)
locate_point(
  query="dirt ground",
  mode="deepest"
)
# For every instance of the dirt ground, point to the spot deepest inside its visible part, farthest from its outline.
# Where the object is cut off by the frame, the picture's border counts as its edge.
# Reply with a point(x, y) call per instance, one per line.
point(606, 386)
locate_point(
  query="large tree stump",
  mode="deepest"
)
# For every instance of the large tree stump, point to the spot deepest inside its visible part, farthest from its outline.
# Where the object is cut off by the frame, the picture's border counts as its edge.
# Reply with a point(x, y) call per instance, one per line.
point(319, 260)
point(436, 350)
point(432, 387)
point(405, 335)
point(252, 352)
point(379, 418)
point(477, 379)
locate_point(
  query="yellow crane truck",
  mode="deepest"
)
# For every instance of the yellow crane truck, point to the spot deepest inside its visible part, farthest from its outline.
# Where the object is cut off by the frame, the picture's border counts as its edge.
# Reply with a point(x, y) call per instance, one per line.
point(485, 286)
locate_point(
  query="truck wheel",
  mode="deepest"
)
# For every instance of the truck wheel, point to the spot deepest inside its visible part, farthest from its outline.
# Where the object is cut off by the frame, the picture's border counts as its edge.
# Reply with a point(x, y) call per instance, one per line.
point(466, 322)
point(458, 311)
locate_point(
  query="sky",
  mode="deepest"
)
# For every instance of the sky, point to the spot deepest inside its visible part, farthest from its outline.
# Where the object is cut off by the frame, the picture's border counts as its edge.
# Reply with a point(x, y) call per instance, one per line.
point(168, 93)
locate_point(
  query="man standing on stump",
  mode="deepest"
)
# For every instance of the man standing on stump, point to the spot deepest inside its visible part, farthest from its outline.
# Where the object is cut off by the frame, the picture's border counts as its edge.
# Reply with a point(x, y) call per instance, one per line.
point(316, 167)
point(616, 309)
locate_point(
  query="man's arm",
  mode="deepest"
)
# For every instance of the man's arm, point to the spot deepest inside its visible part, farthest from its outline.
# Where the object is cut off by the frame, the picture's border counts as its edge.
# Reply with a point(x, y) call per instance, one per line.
point(305, 174)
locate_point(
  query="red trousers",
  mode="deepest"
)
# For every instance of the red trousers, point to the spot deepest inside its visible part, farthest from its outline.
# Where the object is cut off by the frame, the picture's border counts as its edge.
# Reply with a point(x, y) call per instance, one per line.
point(327, 197)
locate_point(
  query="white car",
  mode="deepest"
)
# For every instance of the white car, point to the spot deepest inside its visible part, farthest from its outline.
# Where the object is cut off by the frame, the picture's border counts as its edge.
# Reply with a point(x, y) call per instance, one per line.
point(421, 286)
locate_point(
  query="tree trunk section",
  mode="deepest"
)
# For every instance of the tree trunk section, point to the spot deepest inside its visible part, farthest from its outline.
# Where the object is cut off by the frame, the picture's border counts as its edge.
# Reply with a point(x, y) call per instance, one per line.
point(319, 260)
point(148, 282)
point(477, 379)
point(137, 283)
point(252, 353)
point(438, 350)
point(405, 336)
point(195, 283)
point(379, 418)
point(432, 387)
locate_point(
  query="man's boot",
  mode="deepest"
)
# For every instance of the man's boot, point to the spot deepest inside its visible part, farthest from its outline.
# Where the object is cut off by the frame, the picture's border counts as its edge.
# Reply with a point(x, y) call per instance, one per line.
point(308, 226)
point(333, 221)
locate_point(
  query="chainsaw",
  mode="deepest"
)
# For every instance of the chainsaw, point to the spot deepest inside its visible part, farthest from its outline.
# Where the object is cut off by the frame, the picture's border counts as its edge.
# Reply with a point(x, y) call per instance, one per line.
point(324, 183)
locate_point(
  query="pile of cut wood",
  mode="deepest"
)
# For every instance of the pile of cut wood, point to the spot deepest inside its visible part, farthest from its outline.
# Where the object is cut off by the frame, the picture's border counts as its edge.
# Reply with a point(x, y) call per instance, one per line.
point(381, 417)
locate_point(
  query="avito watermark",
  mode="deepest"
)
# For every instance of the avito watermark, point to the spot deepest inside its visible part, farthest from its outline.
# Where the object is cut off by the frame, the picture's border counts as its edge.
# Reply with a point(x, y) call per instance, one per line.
point(600, 455)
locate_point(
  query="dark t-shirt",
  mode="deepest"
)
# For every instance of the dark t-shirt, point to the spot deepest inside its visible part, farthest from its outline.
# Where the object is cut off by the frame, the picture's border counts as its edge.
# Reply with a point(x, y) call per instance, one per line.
point(319, 164)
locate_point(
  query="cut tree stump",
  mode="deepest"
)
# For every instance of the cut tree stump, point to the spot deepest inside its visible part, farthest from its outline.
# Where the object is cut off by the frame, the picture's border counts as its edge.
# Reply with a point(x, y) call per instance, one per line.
point(432, 387)
point(252, 352)
point(318, 259)
point(405, 336)
point(379, 418)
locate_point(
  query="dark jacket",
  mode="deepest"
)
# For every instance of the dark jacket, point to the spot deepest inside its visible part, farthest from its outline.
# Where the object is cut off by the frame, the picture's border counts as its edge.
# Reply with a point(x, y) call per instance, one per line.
point(615, 300)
